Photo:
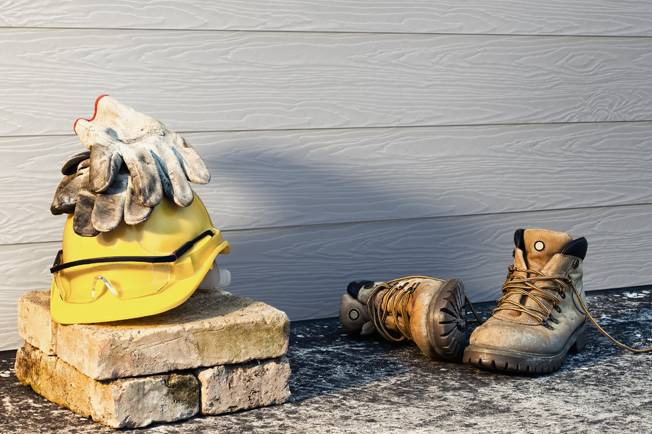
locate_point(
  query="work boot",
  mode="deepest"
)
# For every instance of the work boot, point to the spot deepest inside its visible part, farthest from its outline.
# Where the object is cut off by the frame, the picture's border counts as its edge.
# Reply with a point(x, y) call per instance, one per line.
point(542, 313)
point(539, 317)
point(429, 311)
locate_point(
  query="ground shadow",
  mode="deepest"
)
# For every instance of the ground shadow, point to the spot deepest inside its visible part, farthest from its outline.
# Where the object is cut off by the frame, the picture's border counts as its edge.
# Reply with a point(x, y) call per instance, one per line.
point(325, 359)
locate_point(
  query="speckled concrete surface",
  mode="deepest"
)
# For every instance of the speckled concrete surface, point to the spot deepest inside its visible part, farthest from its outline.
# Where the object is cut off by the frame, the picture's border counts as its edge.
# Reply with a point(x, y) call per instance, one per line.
point(342, 384)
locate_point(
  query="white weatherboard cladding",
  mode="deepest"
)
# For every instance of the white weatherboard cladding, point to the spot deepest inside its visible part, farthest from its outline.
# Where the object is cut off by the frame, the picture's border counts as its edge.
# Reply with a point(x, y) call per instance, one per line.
point(263, 179)
point(359, 140)
point(211, 80)
point(304, 270)
point(552, 17)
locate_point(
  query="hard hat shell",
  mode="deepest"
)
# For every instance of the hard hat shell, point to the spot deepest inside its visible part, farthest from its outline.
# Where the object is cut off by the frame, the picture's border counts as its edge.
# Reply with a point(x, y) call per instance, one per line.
point(105, 278)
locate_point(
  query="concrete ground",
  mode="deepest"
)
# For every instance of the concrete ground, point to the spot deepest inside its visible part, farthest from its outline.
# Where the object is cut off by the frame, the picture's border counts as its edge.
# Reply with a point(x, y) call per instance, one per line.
point(344, 384)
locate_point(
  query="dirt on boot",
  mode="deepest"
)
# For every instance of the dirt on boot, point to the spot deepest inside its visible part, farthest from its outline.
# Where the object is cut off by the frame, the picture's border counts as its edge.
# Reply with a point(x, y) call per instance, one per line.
point(429, 311)
point(538, 319)
point(542, 314)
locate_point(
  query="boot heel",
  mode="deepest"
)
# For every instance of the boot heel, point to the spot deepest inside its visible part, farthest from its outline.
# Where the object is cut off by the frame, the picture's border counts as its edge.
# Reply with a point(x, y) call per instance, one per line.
point(580, 341)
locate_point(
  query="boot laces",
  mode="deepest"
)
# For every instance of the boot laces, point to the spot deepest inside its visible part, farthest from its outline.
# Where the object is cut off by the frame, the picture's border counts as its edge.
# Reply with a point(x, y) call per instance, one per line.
point(547, 293)
point(395, 299)
point(395, 296)
point(553, 290)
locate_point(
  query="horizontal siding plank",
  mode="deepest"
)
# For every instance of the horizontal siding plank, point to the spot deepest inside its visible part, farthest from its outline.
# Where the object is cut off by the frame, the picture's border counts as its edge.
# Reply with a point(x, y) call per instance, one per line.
point(208, 81)
point(576, 17)
point(286, 178)
point(304, 270)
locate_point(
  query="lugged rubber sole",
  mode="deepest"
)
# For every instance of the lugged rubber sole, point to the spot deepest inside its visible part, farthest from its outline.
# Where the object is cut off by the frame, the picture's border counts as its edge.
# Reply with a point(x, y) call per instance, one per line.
point(502, 360)
point(447, 331)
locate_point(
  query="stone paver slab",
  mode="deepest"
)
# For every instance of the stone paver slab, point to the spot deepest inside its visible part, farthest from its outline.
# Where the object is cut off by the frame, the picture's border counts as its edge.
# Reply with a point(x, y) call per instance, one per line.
point(210, 329)
point(34, 323)
point(225, 389)
point(122, 403)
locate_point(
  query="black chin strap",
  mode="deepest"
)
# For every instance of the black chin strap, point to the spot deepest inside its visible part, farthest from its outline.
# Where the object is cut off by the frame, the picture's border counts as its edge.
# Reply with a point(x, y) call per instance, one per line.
point(182, 250)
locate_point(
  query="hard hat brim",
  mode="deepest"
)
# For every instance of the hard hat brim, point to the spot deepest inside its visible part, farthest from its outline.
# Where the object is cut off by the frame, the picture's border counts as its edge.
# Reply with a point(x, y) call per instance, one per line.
point(108, 308)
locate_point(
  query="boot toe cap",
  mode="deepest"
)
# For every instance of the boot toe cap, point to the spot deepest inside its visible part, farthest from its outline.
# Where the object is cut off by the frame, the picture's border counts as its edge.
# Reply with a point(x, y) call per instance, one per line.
point(514, 337)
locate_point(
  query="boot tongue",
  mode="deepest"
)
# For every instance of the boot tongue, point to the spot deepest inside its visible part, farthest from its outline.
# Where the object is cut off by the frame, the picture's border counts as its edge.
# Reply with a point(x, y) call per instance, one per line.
point(539, 246)
point(534, 249)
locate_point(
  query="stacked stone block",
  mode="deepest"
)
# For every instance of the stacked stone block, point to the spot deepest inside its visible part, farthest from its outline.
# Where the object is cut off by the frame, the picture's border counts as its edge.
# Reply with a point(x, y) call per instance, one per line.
point(216, 353)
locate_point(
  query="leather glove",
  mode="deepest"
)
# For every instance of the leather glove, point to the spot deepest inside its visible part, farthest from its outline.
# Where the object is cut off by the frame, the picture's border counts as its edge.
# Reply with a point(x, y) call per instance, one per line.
point(75, 178)
point(159, 161)
point(96, 212)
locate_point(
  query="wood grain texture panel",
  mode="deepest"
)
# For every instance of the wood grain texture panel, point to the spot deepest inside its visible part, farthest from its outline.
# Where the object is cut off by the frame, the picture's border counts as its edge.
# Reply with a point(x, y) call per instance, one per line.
point(207, 81)
point(575, 17)
point(287, 178)
point(304, 270)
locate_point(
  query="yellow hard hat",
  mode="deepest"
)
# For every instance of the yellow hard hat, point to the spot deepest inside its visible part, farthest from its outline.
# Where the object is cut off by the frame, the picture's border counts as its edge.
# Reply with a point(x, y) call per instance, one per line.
point(134, 271)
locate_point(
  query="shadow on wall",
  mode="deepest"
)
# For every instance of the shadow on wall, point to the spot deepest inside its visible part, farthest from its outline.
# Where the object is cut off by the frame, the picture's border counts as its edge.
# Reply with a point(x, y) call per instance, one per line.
point(303, 269)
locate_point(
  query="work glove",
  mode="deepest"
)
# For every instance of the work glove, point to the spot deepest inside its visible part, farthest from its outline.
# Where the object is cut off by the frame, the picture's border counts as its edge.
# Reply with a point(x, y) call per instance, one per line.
point(96, 212)
point(159, 161)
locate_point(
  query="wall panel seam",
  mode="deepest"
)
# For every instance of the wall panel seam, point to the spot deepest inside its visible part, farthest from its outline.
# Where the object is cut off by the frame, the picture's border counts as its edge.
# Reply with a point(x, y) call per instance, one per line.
point(371, 127)
point(324, 32)
point(396, 220)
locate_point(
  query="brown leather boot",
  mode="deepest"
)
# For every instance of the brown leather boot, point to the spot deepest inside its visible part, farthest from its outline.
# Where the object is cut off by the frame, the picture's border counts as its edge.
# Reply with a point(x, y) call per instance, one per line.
point(429, 311)
point(540, 316)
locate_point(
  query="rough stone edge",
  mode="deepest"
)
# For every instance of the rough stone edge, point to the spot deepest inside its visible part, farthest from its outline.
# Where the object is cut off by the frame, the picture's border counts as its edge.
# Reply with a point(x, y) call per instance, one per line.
point(230, 388)
point(95, 360)
point(34, 323)
point(104, 358)
point(112, 403)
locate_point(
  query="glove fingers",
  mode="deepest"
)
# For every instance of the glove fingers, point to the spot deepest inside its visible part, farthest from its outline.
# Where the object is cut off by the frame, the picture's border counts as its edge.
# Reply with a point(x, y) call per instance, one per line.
point(144, 176)
point(105, 165)
point(82, 128)
point(70, 166)
point(134, 212)
point(100, 128)
point(81, 220)
point(66, 194)
point(170, 169)
point(194, 167)
point(109, 206)
point(165, 181)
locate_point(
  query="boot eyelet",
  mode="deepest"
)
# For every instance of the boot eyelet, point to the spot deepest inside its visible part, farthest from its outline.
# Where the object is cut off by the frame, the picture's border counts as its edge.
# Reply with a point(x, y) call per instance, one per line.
point(576, 263)
point(354, 314)
point(558, 309)
point(563, 295)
